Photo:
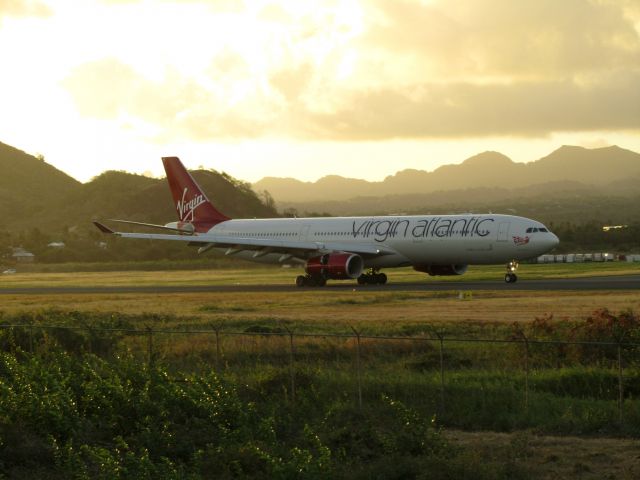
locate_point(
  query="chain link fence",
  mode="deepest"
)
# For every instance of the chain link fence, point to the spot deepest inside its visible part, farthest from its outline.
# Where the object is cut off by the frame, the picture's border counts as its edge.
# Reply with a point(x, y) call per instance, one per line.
point(453, 377)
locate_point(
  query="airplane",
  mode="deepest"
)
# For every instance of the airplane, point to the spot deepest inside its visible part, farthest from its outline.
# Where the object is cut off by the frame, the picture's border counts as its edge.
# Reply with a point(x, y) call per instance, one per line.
point(343, 248)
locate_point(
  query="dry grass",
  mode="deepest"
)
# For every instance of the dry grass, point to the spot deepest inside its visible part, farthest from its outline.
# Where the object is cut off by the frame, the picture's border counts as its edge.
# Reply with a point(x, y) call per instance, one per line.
point(547, 457)
point(321, 309)
point(285, 276)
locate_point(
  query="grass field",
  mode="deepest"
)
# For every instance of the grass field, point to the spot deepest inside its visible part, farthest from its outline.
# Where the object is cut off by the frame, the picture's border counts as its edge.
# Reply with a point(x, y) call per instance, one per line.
point(318, 311)
point(286, 276)
point(323, 309)
point(570, 390)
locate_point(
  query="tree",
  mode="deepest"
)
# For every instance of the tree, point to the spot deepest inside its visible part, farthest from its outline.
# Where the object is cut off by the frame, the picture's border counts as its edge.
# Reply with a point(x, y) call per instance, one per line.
point(267, 199)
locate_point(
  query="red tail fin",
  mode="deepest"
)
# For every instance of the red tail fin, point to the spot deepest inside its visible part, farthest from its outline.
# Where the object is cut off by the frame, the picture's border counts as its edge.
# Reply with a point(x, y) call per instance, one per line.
point(192, 204)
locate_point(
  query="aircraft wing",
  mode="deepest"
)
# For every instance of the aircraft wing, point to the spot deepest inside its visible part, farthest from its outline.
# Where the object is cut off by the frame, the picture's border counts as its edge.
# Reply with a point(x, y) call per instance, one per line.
point(184, 231)
point(261, 246)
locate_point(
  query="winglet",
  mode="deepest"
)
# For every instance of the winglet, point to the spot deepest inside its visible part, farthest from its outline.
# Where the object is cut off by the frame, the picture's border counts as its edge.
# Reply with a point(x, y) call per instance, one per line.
point(103, 228)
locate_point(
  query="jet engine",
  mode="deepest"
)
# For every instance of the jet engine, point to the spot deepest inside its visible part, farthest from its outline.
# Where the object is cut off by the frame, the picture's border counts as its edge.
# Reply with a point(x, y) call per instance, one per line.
point(335, 266)
point(442, 269)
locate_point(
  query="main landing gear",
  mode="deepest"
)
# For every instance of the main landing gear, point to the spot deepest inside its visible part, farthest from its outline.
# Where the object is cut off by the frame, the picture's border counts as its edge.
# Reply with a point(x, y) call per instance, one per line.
point(510, 276)
point(372, 277)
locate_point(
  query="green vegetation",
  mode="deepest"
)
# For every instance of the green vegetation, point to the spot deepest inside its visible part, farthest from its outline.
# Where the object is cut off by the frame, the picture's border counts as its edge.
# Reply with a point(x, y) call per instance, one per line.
point(28, 188)
point(79, 416)
point(144, 395)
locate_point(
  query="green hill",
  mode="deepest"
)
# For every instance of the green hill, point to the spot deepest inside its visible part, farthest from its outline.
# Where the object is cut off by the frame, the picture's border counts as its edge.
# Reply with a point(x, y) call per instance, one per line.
point(135, 197)
point(28, 187)
point(34, 194)
point(572, 186)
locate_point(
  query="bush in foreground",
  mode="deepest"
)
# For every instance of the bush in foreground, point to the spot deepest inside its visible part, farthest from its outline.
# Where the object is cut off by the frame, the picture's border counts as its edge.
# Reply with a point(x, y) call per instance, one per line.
point(64, 416)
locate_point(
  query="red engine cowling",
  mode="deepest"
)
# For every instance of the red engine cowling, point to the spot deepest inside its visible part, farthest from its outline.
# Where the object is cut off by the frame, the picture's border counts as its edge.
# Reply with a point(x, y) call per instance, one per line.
point(336, 266)
point(442, 269)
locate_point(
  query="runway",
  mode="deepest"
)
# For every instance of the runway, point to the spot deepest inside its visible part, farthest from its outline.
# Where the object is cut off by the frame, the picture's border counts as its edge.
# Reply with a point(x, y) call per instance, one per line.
point(622, 282)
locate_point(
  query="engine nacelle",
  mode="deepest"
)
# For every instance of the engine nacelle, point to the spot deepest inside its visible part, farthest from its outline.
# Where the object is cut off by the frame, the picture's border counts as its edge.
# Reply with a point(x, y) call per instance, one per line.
point(336, 266)
point(442, 269)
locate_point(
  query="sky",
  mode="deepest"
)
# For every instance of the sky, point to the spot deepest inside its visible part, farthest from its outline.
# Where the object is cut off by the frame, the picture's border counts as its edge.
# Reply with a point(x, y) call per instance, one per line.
point(291, 88)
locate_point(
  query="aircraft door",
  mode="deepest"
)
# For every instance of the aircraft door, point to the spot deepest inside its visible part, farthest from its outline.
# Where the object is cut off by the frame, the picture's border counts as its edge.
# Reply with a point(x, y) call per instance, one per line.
point(304, 233)
point(503, 231)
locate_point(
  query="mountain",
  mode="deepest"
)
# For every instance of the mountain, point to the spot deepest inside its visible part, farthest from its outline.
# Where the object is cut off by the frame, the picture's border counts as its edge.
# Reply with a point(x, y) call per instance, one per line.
point(596, 167)
point(330, 186)
point(28, 185)
point(35, 194)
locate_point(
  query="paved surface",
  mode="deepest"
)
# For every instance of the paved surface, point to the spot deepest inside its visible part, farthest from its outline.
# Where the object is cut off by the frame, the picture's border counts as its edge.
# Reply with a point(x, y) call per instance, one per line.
point(624, 282)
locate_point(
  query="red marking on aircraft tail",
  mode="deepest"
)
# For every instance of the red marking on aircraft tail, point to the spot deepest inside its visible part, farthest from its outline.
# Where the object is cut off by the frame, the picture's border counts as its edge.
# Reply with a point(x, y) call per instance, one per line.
point(192, 204)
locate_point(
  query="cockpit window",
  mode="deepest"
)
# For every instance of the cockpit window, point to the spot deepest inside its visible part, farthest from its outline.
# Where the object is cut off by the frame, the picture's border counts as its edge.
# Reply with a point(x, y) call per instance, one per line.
point(534, 229)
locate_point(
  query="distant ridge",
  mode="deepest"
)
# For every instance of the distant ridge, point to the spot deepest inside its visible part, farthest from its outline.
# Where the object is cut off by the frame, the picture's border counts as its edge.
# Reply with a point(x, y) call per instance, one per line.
point(581, 183)
point(589, 167)
point(34, 194)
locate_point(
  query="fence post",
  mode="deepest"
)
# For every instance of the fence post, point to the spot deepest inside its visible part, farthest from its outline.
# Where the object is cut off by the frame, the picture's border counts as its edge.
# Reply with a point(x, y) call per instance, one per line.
point(441, 339)
point(217, 330)
point(526, 373)
point(149, 347)
point(519, 333)
point(440, 336)
point(620, 385)
point(12, 339)
point(358, 366)
point(292, 372)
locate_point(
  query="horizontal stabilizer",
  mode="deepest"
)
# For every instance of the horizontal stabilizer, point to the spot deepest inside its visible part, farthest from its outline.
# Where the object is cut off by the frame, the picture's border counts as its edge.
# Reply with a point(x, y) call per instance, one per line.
point(104, 228)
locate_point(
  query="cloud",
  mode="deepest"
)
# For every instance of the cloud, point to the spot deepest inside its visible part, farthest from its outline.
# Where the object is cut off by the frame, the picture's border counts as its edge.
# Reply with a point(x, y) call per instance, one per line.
point(445, 69)
point(466, 109)
point(523, 39)
point(23, 8)
point(291, 83)
point(178, 107)
point(215, 5)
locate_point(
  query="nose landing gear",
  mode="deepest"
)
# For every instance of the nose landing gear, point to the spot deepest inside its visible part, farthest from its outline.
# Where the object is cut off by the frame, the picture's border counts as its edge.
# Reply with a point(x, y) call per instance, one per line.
point(510, 276)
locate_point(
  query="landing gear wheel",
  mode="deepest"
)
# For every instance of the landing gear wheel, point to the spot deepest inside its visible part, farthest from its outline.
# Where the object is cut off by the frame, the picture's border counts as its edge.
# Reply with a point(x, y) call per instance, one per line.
point(300, 281)
point(372, 277)
point(320, 281)
point(510, 278)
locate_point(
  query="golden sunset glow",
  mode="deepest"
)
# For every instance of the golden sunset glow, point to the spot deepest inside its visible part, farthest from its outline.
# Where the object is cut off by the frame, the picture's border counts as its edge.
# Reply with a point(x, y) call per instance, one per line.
point(359, 88)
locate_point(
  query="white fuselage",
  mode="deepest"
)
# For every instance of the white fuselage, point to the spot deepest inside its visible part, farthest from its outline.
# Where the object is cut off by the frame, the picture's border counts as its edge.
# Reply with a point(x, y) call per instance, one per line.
point(415, 240)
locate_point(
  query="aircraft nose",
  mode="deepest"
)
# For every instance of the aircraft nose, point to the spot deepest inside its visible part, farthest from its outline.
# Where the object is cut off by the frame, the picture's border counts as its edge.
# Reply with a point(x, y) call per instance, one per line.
point(553, 240)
